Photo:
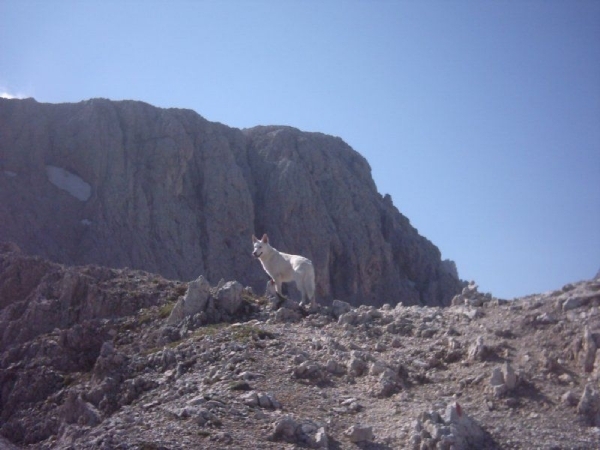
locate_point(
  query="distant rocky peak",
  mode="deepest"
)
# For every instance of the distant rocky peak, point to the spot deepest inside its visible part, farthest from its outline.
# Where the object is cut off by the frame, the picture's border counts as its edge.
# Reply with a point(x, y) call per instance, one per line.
point(126, 184)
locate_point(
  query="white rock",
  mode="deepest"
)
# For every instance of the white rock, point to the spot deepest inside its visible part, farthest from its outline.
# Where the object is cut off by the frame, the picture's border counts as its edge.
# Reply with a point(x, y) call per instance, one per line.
point(477, 350)
point(377, 368)
point(510, 377)
point(359, 433)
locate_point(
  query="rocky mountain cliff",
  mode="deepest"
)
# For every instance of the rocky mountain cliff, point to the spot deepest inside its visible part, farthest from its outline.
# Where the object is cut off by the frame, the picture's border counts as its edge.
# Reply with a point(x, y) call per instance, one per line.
point(100, 358)
point(126, 184)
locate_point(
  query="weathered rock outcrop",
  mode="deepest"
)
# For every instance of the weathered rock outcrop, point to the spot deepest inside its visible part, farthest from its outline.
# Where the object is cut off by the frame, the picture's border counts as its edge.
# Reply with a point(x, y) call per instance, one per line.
point(38, 297)
point(164, 190)
point(98, 358)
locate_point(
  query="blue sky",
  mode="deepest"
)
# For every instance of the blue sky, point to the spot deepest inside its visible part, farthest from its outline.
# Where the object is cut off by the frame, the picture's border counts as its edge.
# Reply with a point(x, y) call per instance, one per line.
point(480, 118)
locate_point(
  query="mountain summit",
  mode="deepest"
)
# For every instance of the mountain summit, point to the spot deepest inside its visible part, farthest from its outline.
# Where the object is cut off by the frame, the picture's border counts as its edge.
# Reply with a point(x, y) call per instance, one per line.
point(126, 184)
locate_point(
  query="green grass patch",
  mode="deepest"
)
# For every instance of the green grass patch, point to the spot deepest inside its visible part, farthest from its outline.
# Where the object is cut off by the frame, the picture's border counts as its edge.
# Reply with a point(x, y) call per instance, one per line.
point(165, 310)
point(145, 316)
point(239, 333)
point(245, 333)
point(209, 330)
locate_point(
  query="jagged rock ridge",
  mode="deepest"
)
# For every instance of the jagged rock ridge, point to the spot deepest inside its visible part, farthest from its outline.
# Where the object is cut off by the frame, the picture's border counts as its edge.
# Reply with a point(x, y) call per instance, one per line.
point(125, 184)
point(98, 358)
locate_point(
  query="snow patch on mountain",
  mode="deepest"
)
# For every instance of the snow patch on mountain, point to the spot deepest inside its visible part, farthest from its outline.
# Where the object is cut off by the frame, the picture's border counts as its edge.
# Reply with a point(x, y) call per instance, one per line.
point(67, 181)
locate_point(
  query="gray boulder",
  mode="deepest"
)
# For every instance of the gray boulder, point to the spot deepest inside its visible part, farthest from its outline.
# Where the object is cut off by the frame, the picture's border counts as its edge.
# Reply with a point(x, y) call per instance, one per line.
point(503, 380)
point(451, 430)
point(76, 410)
point(359, 433)
point(588, 353)
point(194, 301)
point(229, 297)
point(261, 399)
point(304, 432)
point(477, 350)
point(357, 366)
point(589, 405)
point(339, 307)
point(335, 368)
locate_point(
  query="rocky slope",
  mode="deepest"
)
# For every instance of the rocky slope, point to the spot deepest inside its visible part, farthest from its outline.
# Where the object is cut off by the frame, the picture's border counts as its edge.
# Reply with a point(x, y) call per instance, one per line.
point(96, 358)
point(125, 184)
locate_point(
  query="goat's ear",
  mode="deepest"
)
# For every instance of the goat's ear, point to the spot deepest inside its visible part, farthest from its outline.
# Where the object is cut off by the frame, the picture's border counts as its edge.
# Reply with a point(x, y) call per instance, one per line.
point(265, 238)
point(254, 239)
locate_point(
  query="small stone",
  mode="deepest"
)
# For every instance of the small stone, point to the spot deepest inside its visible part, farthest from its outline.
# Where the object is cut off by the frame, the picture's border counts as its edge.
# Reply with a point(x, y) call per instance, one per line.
point(223, 437)
point(500, 390)
point(380, 347)
point(377, 368)
point(264, 401)
point(588, 355)
point(510, 377)
point(339, 307)
point(497, 377)
point(359, 433)
point(285, 428)
point(546, 319)
point(335, 368)
point(589, 404)
point(478, 350)
point(321, 440)
point(350, 318)
point(565, 378)
point(357, 366)
point(250, 399)
point(569, 398)
point(573, 303)
point(473, 313)
point(396, 342)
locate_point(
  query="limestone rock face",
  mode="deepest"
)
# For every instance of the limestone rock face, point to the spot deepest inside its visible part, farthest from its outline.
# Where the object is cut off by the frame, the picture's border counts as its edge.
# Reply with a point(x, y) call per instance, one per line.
point(125, 184)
